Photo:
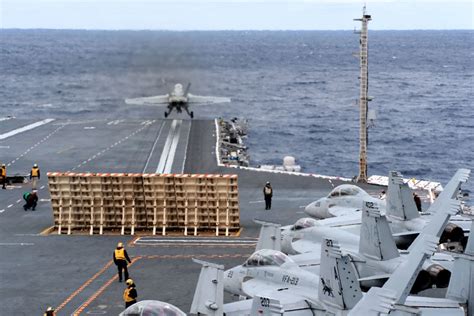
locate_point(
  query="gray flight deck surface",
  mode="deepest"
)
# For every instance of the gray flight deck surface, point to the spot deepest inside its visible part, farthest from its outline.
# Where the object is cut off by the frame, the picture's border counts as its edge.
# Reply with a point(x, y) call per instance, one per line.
point(75, 273)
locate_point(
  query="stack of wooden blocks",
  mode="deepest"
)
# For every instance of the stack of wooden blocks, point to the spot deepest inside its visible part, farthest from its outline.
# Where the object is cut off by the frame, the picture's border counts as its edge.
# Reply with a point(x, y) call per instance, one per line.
point(106, 202)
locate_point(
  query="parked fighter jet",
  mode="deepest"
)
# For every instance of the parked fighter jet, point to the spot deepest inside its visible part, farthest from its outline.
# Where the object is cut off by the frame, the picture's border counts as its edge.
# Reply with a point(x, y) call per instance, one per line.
point(338, 293)
point(374, 253)
point(344, 199)
point(405, 221)
point(178, 99)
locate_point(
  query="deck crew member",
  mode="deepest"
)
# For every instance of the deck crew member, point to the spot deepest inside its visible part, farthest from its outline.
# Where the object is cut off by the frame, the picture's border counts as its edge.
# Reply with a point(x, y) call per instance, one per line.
point(120, 259)
point(417, 201)
point(31, 200)
point(34, 176)
point(130, 293)
point(267, 194)
point(3, 175)
point(49, 312)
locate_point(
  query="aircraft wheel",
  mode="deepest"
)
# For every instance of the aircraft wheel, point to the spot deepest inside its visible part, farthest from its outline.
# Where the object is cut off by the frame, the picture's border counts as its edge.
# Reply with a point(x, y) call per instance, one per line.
point(192, 114)
point(166, 114)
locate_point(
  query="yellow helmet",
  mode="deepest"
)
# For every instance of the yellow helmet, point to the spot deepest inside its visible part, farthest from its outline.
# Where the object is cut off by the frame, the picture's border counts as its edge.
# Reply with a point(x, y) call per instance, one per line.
point(120, 245)
point(129, 282)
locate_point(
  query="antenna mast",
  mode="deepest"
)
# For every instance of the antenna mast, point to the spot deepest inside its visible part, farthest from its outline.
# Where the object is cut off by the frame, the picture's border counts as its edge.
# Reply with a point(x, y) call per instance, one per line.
point(363, 98)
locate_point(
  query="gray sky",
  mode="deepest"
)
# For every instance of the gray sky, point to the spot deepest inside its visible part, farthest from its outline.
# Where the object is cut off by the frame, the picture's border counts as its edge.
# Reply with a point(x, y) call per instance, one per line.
point(234, 14)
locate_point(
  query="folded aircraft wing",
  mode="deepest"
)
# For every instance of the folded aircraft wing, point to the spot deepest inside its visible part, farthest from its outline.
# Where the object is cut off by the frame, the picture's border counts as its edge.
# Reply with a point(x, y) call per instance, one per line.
point(206, 99)
point(342, 211)
point(155, 100)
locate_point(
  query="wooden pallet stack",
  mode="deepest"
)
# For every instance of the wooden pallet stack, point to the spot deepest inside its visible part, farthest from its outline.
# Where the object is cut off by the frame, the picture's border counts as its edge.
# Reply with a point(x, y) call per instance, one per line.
point(151, 202)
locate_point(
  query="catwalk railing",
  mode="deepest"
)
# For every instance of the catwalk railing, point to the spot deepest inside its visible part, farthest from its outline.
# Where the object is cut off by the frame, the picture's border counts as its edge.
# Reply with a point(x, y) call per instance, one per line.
point(105, 202)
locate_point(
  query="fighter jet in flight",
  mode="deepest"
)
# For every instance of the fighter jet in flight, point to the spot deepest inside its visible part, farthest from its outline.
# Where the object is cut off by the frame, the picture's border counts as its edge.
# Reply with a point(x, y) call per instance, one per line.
point(179, 99)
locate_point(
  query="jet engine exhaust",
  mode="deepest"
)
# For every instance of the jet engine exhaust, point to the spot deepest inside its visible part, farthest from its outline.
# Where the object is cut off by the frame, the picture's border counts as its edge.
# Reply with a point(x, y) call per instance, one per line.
point(452, 233)
point(423, 281)
point(439, 275)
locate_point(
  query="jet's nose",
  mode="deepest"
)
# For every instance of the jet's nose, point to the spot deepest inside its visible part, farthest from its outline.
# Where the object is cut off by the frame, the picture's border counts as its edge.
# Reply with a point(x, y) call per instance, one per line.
point(316, 208)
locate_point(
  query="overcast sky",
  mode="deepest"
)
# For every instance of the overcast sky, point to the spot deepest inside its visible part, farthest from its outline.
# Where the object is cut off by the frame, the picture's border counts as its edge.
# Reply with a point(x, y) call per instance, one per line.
point(234, 14)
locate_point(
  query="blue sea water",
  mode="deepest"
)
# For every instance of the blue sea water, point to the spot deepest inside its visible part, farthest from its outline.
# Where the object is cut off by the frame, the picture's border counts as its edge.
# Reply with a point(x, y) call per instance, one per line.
point(299, 89)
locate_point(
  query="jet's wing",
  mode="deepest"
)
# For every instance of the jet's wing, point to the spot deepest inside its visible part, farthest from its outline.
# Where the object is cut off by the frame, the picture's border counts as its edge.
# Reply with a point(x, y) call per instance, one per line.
point(206, 99)
point(337, 211)
point(155, 100)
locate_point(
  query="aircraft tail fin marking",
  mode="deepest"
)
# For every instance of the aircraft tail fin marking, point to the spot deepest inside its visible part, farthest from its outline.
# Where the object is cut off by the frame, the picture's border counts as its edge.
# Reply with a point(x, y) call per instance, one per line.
point(376, 240)
point(338, 285)
point(266, 306)
point(209, 294)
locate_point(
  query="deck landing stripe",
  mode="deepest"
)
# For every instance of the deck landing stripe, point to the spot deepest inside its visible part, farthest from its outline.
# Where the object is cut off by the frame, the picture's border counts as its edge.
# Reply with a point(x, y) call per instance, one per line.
point(25, 128)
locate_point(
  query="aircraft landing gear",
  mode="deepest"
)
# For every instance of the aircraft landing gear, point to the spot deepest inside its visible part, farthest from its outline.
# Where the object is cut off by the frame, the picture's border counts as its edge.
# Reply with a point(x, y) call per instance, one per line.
point(166, 114)
point(191, 114)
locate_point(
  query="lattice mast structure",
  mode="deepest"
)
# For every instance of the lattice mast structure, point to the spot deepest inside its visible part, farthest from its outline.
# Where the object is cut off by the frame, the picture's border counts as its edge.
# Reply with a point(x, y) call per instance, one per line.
point(363, 98)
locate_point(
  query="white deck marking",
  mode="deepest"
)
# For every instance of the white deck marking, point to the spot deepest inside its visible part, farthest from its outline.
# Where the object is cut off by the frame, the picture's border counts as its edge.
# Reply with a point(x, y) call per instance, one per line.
point(25, 128)
point(9, 205)
point(174, 145)
point(18, 201)
point(16, 244)
point(166, 148)
point(153, 147)
point(254, 202)
point(186, 147)
point(1, 211)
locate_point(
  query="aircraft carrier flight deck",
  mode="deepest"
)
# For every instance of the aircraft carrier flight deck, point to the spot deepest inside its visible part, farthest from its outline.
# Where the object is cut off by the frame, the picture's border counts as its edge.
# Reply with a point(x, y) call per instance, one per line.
point(75, 273)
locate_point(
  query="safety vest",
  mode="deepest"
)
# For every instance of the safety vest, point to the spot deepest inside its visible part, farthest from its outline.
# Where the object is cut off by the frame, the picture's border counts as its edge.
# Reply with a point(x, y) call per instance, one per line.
point(268, 190)
point(126, 295)
point(34, 171)
point(120, 254)
point(3, 172)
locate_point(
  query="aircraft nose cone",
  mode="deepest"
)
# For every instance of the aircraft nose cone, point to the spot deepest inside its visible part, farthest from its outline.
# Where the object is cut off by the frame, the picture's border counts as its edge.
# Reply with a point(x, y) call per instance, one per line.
point(314, 209)
point(232, 282)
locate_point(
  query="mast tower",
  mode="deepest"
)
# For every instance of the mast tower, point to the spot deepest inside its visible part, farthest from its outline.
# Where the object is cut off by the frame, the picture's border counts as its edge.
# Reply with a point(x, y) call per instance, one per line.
point(363, 96)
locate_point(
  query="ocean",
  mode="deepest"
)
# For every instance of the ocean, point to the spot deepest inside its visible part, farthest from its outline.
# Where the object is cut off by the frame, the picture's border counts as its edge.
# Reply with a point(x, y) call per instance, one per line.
point(299, 89)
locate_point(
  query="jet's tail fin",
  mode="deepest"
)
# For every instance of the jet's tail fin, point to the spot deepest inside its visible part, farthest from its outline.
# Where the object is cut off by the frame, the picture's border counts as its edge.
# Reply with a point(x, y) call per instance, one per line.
point(186, 91)
point(461, 286)
point(400, 202)
point(338, 285)
point(376, 240)
point(209, 295)
point(270, 236)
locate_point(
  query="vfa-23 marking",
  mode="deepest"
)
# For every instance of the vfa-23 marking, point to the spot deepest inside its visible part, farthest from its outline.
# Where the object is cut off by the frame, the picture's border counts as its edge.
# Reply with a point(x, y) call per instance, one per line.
point(290, 279)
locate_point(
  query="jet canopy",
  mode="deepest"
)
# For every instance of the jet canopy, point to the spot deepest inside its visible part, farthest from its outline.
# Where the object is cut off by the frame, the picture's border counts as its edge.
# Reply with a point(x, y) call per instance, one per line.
point(346, 190)
point(267, 257)
point(304, 223)
point(152, 308)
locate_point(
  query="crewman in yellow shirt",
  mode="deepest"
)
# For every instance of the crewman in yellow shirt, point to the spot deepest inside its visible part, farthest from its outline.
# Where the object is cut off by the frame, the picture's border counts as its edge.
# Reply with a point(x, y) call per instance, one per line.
point(120, 259)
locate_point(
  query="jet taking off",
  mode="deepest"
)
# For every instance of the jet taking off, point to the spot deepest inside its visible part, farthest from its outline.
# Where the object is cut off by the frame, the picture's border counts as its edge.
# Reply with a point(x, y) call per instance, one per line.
point(178, 99)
